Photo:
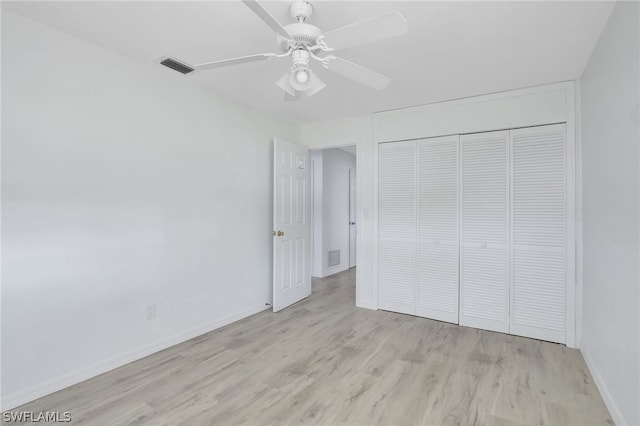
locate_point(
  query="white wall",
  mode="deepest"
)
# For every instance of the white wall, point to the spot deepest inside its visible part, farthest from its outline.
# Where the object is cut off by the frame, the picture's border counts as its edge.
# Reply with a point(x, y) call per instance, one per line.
point(610, 94)
point(335, 205)
point(122, 184)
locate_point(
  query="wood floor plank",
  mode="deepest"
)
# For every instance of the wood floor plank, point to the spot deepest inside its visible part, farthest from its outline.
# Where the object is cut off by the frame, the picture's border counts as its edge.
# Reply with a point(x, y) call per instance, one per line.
point(323, 361)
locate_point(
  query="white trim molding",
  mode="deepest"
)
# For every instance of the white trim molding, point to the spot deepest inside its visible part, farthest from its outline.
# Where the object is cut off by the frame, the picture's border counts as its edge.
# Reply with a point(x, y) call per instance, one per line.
point(533, 106)
point(578, 205)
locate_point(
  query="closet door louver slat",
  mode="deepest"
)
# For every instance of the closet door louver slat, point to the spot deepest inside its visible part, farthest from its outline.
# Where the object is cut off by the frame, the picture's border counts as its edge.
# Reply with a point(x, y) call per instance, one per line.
point(437, 281)
point(397, 227)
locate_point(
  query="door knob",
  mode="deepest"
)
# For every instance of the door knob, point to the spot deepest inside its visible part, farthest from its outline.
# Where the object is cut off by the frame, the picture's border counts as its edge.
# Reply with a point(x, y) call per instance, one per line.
point(280, 233)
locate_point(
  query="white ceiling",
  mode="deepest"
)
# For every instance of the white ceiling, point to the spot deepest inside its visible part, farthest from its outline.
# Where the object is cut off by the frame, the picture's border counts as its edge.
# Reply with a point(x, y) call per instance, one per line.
point(452, 50)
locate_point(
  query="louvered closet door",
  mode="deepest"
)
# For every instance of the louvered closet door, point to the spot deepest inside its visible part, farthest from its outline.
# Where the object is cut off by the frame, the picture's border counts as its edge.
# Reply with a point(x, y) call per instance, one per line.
point(437, 280)
point(397, 226)
point(484, 254)
point(539, 232)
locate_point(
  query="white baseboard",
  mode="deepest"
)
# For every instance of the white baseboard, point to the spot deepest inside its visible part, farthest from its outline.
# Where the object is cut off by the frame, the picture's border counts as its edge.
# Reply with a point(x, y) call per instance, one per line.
point(334, 270)
point(365, 304)
point(22, 397)
point(614, 411)
point(330, 272)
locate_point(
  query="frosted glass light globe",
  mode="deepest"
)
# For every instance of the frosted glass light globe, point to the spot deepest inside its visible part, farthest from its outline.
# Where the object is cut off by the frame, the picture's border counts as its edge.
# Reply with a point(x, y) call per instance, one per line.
point(302, 77)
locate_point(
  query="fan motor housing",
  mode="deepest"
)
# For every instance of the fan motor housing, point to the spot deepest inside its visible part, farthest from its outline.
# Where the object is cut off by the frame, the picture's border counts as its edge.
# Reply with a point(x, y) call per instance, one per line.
point(301, 33)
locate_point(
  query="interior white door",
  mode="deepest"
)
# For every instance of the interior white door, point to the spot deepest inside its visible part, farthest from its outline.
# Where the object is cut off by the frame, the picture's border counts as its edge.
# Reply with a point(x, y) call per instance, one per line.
point(352, 218)
point(484, 231)
point(397, 226)
point(437, 281)
point(291, 224)
point(539, 232)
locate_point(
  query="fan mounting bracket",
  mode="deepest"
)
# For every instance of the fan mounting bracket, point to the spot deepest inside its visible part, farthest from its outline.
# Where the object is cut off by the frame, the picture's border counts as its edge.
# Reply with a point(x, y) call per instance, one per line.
point(301, 10)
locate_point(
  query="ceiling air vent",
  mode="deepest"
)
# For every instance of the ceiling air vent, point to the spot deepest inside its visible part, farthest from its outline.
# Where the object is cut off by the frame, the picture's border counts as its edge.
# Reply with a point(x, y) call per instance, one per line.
point(176, 65)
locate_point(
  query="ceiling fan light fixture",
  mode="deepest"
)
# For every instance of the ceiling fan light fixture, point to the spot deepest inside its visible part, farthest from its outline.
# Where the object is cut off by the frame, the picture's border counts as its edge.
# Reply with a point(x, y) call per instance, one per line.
point(308, 83)
point(301, 84)
point(284, 84)
point(302, 76)
point(316, 84)
point(290, 84)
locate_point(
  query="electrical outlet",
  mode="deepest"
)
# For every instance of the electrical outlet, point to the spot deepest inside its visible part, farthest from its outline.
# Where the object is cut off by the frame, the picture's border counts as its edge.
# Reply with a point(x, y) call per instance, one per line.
point(150, 311)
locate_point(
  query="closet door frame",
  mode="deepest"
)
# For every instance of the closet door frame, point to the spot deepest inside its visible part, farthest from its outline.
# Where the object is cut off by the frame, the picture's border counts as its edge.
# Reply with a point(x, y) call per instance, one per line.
point(563, 111)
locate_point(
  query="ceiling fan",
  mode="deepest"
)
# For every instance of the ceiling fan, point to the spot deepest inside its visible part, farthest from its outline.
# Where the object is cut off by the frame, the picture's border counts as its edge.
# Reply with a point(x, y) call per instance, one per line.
point(304, 42)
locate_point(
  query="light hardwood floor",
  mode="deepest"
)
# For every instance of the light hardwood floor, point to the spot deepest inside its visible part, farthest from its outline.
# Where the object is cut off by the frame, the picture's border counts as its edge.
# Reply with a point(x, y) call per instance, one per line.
point(324, 361)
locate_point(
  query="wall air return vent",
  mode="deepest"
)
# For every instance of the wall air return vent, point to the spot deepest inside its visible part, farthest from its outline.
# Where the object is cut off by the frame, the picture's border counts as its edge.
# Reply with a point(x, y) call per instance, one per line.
point(176, 65)
point(334, 258)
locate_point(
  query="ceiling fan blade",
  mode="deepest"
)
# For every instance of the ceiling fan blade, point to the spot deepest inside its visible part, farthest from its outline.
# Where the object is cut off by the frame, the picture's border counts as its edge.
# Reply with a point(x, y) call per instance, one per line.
point(232, 61)
point(358, 73)
point(267, 18)
point(391, 24)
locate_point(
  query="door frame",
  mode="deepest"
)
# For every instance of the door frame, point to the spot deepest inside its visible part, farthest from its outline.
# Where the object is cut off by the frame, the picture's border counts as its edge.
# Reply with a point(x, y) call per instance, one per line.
point(353, 243)
point(359, 211)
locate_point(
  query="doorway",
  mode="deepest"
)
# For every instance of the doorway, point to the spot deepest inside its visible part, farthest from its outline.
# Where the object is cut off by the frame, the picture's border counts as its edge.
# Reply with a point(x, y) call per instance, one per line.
point(333, 201)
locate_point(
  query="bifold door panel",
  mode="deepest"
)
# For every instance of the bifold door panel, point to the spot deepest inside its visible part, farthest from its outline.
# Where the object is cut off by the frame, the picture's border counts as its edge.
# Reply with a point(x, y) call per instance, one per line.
point(418, 228)
point(437, 195)
point(397, 227)
point(484, 236)
point(539, 232)
point(472, 229)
